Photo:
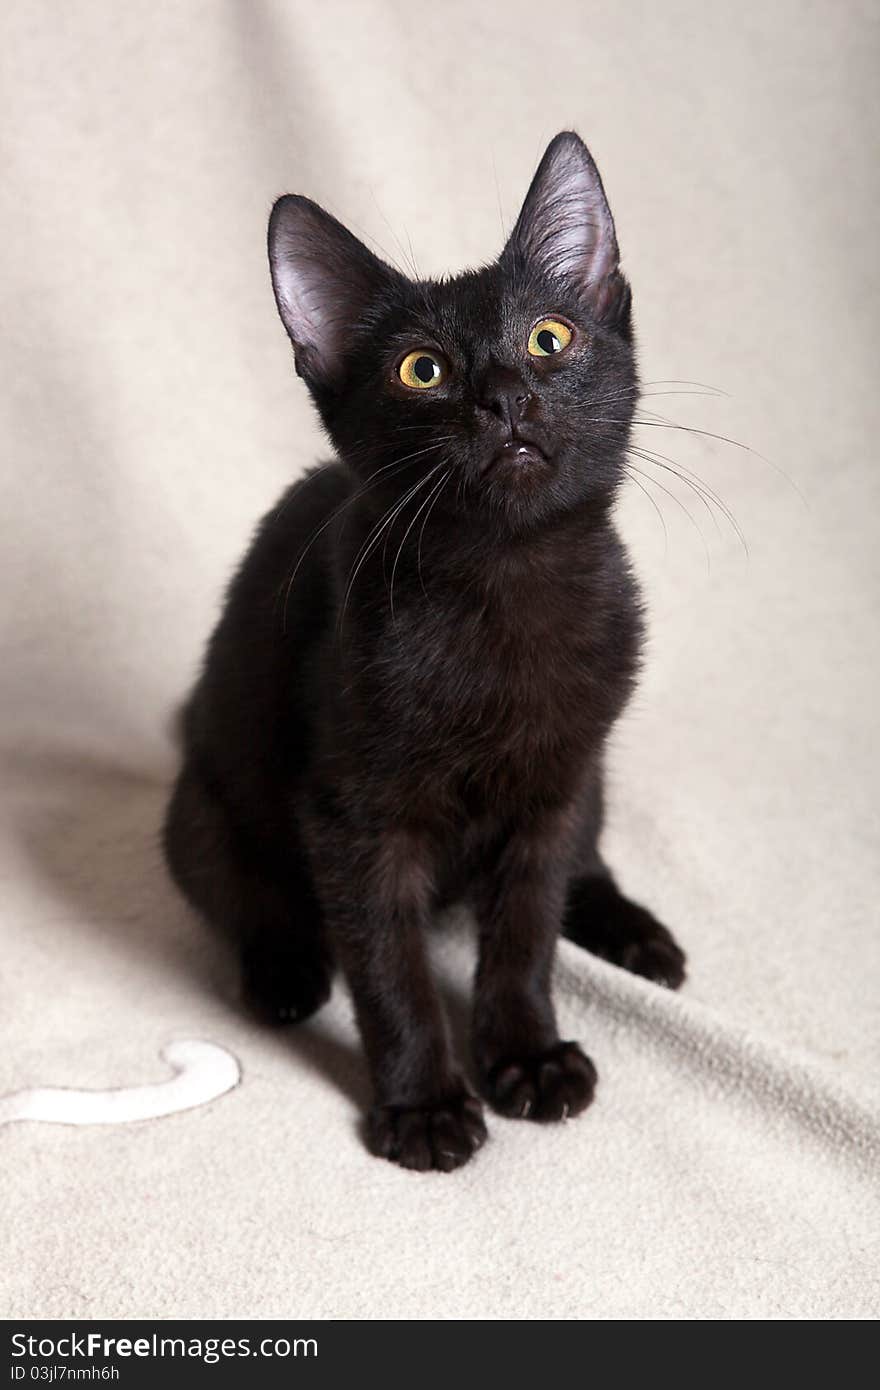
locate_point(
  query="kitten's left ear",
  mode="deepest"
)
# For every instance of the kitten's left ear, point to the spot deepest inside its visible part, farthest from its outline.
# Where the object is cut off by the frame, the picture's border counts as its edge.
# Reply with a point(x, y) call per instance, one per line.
point(565, 227)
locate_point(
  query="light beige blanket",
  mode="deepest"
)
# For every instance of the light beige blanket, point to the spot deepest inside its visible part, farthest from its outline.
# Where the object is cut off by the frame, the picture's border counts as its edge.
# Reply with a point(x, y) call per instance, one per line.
point(729, 1168)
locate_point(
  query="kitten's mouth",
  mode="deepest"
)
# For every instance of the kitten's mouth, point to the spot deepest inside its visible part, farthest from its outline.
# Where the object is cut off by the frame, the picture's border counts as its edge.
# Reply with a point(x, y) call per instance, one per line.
point(516, 454)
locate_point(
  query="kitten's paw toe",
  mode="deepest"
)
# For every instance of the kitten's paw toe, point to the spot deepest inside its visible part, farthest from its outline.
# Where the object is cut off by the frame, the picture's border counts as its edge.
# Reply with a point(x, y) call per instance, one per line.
point(283, 989)
point(441, 1136)
point(553, 1085)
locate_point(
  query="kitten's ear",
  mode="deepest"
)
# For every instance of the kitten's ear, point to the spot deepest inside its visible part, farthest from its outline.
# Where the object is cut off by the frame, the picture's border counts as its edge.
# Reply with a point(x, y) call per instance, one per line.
point(566, 228)
point(324, 279)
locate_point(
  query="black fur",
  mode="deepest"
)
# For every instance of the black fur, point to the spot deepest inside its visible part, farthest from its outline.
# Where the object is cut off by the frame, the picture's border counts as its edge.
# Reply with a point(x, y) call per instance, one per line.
point(407, 698)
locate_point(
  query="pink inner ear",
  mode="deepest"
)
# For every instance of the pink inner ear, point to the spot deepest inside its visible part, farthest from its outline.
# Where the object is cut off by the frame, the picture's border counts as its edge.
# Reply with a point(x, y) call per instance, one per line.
point(603, 249)
point(298, 302)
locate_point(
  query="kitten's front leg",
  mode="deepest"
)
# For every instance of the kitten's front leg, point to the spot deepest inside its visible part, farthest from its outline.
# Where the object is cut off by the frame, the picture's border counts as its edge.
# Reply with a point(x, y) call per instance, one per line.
point(375, 892)
point(526, 1071)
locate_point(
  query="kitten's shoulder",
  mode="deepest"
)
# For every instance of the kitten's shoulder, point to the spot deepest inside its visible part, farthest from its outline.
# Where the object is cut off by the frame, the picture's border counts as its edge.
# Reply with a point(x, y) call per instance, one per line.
point(289, 548)
point(312, 496)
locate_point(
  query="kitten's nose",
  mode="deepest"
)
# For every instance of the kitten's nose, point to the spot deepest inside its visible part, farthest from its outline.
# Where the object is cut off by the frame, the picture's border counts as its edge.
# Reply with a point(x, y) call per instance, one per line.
point(505, 394)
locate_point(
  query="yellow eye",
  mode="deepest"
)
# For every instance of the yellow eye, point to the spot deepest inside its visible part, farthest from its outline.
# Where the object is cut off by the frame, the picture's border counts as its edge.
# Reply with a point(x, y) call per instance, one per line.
point(548, 337)
point(422, 369)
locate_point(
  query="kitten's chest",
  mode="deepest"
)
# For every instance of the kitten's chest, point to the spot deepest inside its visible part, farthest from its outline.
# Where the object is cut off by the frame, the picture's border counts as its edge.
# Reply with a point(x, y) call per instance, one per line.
point(506, 696)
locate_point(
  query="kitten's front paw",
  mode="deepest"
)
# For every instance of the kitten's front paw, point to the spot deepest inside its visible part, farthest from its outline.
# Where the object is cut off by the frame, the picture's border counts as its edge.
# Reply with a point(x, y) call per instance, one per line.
point(550, 1086)
point(442, 1135)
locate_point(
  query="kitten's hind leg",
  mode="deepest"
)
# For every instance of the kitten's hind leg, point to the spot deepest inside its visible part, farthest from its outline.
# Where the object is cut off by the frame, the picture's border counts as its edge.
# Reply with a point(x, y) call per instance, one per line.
point(286, 976)
point(271, 915)
point(598, 917)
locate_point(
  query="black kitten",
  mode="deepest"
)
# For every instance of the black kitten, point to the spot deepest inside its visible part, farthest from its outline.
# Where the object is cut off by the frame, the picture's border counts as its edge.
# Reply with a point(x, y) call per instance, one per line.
point(406, 700)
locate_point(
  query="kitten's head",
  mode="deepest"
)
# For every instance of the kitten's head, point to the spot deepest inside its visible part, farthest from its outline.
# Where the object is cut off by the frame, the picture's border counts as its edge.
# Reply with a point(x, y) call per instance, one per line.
point(516, 382)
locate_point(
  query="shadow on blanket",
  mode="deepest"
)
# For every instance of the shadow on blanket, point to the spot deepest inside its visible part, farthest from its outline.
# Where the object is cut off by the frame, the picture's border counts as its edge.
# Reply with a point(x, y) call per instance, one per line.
point(90, 829)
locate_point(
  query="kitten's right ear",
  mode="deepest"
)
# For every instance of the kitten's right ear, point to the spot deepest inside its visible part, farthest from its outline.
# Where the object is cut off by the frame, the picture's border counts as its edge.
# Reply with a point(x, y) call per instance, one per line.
point(324, 279)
